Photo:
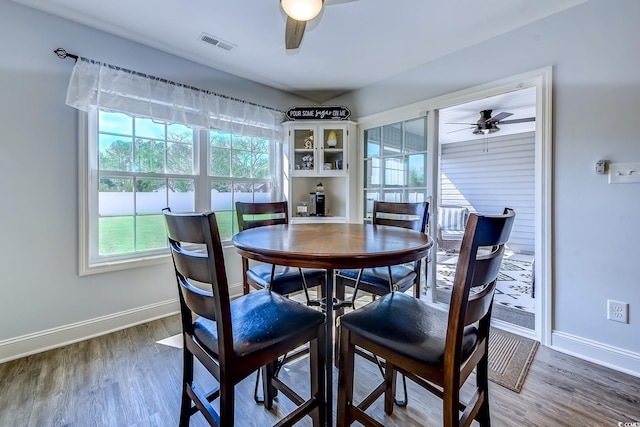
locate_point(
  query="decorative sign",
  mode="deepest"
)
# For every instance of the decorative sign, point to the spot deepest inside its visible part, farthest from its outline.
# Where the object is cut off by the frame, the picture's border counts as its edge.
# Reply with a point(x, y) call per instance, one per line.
point(332, 112)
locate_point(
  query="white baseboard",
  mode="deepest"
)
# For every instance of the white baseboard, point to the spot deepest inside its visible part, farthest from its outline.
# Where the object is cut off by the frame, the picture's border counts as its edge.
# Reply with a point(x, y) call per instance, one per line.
point(593, 351)
point(235, 290)
point(25, 345)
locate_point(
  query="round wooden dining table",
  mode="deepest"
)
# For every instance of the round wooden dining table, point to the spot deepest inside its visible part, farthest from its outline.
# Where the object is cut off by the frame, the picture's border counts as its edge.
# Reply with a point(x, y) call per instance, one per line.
point(332, 246)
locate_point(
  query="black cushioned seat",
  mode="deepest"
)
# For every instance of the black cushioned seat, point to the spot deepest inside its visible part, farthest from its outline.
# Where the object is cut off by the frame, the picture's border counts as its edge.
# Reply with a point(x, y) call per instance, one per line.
point(409, 326)
point(261, 319)
point(286, 280)
point(403, 278)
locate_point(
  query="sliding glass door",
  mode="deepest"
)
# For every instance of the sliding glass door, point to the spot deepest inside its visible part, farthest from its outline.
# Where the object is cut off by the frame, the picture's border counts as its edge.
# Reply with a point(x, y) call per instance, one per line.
point(395, 163)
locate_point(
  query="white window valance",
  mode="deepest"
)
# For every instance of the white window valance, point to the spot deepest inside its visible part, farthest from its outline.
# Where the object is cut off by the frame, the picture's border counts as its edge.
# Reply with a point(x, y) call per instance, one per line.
point(95, 85)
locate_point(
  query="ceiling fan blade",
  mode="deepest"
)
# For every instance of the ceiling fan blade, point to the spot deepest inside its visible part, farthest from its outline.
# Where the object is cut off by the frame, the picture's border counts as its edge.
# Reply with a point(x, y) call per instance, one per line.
point(527, 119)
point(500, 116)
point(293, 33)
point(453, 123)
point(459, 130)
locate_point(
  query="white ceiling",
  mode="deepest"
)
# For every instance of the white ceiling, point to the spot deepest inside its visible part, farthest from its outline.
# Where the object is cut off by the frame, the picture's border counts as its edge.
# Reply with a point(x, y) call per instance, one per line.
point(351, 44)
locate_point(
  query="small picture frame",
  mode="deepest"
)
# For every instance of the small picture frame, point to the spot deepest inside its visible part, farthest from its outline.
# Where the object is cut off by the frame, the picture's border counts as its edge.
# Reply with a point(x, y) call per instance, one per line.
point(301, 209)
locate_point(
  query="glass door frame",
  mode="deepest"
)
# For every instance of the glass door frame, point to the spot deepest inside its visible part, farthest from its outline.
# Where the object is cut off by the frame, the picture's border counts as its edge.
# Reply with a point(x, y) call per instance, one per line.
point(541, 79)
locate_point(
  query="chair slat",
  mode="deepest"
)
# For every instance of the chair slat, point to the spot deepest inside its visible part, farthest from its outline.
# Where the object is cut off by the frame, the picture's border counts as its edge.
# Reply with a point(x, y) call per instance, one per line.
point(278, 213)
point(192, 265)
point(185, 228)
point(199, 301)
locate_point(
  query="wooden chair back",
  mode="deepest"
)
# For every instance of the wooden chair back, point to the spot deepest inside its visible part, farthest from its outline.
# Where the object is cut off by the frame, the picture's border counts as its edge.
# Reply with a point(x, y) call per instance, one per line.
point(252, 215)
point(193, 266)
point(478, 268)
point(413, 216)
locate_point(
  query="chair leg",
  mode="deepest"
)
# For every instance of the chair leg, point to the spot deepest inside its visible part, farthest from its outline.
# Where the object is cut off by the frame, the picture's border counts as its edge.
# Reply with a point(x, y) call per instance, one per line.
point(345, 379)
point(256, 397)
point(187, 380)
point(227, 405)
point(450, 405)
point(390, 375)
point(304, 286)
point(340, 294)
point(317, 359)
point(269, 391)
point(482, 382)
point(245, 282)
point(403, 403)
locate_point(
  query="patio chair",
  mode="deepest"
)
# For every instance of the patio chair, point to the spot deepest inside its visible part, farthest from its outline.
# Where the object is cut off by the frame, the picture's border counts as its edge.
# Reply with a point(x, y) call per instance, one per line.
point(451, 224)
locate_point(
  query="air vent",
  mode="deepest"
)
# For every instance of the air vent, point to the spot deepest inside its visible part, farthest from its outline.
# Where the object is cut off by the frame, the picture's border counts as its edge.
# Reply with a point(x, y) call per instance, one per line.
point(217, 41)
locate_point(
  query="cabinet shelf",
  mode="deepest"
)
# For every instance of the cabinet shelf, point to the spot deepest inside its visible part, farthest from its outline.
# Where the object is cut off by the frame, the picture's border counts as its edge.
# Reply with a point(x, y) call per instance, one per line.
point(321, 163)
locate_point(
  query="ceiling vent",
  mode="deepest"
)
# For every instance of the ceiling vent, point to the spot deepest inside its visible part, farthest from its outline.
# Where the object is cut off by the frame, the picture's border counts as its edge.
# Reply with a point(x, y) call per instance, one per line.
point(217, 41)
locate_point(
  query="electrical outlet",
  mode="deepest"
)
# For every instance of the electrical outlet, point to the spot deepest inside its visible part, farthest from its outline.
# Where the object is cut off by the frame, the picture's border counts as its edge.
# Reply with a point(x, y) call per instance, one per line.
point(617, 311)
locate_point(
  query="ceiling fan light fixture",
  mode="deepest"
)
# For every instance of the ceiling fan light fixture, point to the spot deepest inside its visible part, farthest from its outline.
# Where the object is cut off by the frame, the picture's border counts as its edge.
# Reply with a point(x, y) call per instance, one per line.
point(486, 130)
point(302, 10)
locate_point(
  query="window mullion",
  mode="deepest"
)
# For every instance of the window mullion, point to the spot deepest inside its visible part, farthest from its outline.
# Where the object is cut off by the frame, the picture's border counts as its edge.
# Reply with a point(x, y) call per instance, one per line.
point(202, 180)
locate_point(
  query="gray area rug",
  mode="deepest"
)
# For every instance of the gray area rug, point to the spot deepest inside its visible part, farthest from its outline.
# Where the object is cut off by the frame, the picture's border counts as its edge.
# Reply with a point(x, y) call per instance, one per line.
point(512, 301)
point(499, 311)
point(510, 358)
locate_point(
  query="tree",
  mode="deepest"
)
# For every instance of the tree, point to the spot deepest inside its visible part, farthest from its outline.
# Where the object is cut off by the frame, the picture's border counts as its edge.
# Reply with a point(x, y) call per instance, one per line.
point(117, 157)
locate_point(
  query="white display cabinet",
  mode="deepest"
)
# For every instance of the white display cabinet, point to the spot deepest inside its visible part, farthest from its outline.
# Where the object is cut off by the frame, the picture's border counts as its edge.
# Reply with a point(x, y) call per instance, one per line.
point(320, 152)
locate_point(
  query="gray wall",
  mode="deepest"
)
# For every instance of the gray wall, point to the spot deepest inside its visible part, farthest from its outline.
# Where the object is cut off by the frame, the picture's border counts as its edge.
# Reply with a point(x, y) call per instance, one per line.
point(40, 286)
point(594, 51)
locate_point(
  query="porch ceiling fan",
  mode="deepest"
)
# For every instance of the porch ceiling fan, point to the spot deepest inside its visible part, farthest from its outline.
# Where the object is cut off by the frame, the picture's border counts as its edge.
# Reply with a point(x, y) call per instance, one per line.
point(298, 13)
point(487, 124)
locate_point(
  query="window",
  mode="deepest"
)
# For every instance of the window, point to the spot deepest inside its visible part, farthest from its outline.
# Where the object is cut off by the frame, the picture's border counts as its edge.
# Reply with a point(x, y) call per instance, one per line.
point(241, 168)
point(395, 161)
point(136, 166)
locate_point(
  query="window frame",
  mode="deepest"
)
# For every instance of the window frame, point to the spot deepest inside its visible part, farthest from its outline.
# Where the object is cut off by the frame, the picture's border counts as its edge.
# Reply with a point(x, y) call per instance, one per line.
point(403, 153)
point(88, 176)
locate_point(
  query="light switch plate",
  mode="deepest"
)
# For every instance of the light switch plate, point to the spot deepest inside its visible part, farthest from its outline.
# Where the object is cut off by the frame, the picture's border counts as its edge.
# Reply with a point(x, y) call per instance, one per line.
point(624, 173)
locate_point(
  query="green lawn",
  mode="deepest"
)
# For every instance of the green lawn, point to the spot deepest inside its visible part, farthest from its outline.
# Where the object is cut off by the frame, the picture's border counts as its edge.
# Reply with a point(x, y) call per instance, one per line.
point(116, 234)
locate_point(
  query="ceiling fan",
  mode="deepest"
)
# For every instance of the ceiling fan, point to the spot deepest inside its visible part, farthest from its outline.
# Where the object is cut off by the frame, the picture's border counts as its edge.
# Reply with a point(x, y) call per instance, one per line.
point(487, 124)
point(298, 13)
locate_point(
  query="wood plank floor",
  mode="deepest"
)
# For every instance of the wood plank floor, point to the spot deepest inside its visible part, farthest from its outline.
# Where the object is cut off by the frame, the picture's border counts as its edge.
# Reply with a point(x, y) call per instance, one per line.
point(128, 379)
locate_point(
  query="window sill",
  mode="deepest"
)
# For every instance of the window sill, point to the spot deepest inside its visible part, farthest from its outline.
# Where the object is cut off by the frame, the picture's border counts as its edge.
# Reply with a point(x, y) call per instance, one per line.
point(87, 269)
